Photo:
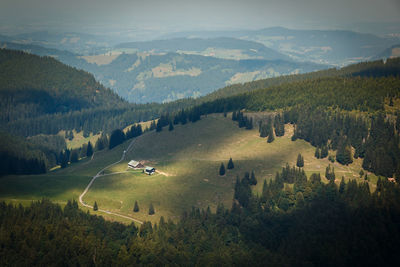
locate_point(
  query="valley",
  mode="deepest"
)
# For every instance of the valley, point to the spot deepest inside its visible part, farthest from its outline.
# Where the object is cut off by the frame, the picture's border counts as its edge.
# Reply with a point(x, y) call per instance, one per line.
point(258, 154)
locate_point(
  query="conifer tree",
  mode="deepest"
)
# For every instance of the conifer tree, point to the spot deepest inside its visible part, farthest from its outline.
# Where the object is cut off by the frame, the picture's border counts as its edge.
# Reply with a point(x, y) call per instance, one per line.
point(151, 209)
point(230, 164)
point(324, 151)
point(317, 153)
point(300, 161)
point(222, 169)
point(95, 207)
point(136, 207)
point(263, 130)
point(159, 127)
point(253, 180)
point(171, 126)
point(234, 116)
point(330, 173)
point(342, 185)
point(271, 136)
point(89, 150)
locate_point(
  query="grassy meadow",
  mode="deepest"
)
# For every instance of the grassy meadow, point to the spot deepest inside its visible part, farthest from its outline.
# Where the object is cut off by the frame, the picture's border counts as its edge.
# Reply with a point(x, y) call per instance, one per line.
point(187, 160)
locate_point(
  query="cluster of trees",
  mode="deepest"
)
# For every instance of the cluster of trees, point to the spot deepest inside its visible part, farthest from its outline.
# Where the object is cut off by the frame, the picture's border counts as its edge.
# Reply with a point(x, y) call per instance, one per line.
point(375, 138)
point(321, 152)
point(29, 156)
point(243, 193)
point(296, 221)
point(151, 208)
point(73, 155)
point(243, 120)
point(382, 152)
point(229, 166)
point(330, 173)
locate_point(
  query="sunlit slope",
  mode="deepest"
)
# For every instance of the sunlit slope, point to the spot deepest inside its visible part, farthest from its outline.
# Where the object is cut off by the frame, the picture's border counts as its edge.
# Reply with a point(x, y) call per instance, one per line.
point(188, 161)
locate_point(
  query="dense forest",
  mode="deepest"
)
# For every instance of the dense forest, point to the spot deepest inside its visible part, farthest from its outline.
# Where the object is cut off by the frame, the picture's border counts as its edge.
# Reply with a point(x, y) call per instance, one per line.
point(298, 220)
point(31, 86)
point(332, 108)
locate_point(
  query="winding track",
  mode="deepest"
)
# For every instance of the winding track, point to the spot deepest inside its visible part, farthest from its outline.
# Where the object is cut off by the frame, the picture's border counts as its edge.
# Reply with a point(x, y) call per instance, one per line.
point(99, 175)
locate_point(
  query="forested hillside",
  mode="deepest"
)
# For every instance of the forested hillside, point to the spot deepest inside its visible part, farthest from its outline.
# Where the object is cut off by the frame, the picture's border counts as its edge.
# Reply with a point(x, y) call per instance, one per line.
point(352, 109)
point(31, 86)
point(298, 220)
point(376, 68)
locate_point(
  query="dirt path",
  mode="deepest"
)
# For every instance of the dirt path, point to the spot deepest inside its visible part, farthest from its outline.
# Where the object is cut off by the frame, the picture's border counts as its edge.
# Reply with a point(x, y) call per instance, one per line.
point(99, 175)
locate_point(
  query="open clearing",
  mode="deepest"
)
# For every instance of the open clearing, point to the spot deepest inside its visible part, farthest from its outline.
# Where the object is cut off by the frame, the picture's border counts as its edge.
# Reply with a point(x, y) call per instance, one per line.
point(189, 157)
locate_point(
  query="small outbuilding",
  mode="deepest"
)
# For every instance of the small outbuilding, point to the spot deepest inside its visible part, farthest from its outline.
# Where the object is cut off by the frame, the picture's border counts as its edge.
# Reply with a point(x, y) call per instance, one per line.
point(149, 170)
point(135, 164)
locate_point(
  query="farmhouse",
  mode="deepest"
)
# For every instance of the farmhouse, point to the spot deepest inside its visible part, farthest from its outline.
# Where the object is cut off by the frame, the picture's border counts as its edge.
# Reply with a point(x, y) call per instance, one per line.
point(135, 164)
point(149, 170)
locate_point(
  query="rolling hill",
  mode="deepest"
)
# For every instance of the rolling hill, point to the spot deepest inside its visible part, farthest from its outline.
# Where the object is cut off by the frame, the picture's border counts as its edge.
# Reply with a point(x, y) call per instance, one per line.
point(188, 165)
point(333, 47)
point(391, 52)
point(222, 47)
point(31, 86)
point(148, 77)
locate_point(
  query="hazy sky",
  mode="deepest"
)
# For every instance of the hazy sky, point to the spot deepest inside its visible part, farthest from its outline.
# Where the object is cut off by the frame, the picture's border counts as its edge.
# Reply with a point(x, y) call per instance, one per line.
point(174, 15)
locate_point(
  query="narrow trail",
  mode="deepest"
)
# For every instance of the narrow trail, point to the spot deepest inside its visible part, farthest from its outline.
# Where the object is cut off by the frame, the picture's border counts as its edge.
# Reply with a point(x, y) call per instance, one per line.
point(100, 175)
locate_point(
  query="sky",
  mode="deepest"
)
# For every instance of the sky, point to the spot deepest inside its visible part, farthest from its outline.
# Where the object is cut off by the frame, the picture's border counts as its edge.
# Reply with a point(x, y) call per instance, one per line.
point(184, 15)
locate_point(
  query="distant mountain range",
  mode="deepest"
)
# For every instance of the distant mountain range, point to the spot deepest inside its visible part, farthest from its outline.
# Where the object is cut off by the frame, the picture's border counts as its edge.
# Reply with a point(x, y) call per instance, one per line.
point(158, 77)
point(192, 64)
point(321, 46)
point(222, 47)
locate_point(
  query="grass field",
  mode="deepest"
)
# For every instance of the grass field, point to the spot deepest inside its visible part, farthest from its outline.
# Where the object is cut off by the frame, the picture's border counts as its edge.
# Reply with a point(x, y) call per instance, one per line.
point(188, 161)
point(79, 139)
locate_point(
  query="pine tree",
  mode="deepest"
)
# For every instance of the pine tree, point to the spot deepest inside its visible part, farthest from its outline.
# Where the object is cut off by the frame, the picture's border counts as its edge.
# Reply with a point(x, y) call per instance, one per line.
point(89, 150)
point(136, 207)
point(300, 161)
point(95, 207)
point(263, 130)
point(330, 173)
point(159, 127)
point(171, 126)
point(271, 137)
point(317, 153)
point(230, 164)
point(324, 151)
point(253, 180)
point(222, 169)
point(342, 186)
point(234, 116)
point(151, 209)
